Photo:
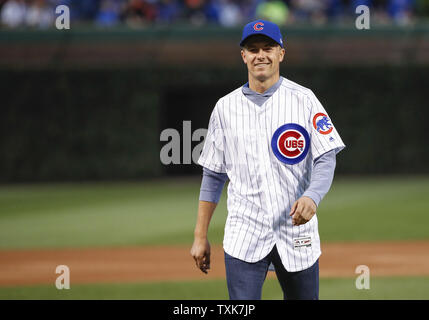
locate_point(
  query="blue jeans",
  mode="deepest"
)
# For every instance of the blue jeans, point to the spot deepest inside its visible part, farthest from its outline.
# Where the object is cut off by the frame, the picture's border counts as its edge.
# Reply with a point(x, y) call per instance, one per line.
point(245, 280)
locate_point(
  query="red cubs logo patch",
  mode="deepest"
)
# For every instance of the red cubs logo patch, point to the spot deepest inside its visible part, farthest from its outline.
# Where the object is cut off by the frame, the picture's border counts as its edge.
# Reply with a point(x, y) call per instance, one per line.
point(322, 123)
point(258, 26)
point(290, 143)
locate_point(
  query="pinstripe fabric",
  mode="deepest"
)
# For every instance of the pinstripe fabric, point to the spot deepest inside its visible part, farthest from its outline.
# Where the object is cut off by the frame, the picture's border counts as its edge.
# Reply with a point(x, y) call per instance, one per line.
point(262, 189)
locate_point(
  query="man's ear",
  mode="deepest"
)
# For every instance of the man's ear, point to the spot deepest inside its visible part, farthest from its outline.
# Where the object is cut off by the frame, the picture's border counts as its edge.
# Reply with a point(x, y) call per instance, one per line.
point(243, 56)
point(282, 54)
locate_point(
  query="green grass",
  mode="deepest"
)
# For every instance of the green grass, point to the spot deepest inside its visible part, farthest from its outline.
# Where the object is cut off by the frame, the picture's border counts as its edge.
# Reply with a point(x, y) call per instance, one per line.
point(378, 208)
point(332, 289)
point(97, 214)
point(164, 212)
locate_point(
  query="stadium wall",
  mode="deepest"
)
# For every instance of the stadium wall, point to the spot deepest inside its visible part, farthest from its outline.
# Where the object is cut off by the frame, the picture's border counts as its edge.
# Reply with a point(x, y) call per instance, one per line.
point(91, 104)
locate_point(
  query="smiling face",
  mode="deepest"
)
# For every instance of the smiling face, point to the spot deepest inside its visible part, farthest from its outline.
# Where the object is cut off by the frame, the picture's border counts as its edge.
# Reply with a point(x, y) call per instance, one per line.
point(262, 56)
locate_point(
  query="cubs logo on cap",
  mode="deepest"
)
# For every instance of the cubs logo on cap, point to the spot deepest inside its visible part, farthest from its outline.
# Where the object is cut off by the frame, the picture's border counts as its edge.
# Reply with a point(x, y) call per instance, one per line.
point(258, 26)
point(322, 123)
point(290, 143)
point(263, 27)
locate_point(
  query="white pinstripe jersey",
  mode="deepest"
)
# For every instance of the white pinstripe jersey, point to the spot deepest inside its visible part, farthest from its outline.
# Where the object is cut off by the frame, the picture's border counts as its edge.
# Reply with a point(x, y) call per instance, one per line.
point(241, 141)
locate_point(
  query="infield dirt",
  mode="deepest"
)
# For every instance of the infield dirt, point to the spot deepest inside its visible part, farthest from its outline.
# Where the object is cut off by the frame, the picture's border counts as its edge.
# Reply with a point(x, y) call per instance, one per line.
point(173, 263)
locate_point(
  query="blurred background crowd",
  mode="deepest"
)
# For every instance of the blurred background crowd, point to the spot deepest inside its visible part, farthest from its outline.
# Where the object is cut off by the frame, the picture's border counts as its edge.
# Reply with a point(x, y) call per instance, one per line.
point(227, 13)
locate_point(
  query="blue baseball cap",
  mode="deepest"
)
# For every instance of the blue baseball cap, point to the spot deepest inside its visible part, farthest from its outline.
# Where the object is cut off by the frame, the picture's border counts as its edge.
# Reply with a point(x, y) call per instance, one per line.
point(263, 27)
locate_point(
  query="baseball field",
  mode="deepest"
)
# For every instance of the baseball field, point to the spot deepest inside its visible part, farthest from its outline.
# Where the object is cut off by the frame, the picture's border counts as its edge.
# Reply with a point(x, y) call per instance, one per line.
point(131, 240)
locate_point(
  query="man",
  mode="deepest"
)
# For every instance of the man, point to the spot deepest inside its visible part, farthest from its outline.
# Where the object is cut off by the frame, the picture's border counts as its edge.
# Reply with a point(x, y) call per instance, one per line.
point(276, 144)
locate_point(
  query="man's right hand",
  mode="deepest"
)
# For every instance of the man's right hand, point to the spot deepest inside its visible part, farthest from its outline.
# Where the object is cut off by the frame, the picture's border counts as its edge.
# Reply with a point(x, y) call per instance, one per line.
point(200, 251)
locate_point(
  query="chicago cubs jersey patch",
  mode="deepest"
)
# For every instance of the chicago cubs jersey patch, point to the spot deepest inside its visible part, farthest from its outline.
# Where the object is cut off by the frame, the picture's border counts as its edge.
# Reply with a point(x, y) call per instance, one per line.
point(290, 143)
point(322, 123)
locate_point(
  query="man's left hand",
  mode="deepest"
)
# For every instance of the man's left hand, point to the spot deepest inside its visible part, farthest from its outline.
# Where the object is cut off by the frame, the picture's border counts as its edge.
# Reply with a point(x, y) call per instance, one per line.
point(302, 211)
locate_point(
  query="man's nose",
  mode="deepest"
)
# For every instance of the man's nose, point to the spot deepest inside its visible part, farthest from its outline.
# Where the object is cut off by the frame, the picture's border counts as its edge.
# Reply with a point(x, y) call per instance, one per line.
point(260, 54)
